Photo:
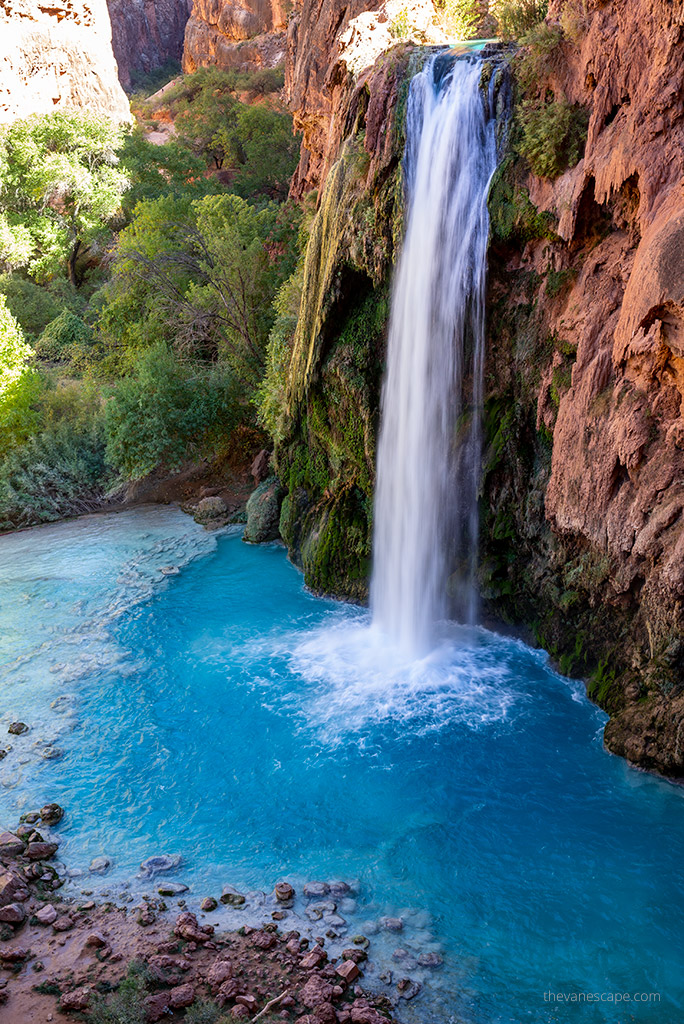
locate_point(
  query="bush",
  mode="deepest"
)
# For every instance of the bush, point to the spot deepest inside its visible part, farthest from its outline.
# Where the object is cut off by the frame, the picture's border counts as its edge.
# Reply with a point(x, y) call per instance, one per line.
point(61, 472)
point(166, 412)
point(553, 135)
point(65, 339)
point(19, 384)
point(32, 306)
point(461, 17)
point(127, 1005)
point(516, 17)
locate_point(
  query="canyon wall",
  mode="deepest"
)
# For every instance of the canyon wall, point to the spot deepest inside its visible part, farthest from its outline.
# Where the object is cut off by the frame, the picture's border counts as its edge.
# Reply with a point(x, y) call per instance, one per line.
point(582, 529)
point(235, 34)
point(58, 54)
point(146, 34)
point(583, 534)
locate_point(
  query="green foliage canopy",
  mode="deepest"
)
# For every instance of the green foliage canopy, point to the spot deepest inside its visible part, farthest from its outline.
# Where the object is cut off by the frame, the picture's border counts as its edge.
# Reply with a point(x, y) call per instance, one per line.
point(19, 383)
point(60, 188)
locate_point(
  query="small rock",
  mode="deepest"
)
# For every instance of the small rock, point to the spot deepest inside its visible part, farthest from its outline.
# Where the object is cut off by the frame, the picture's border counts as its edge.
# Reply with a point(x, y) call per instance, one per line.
point(231, 896)
point(284, 892)
point(188, 928)
point(182, 995)
point(76, 1001)
point(51, 814)
point(239, 1012)
point(18, 728)
point(357, 955)
point(15, 956)
point(316, 889)
point(12, 888)
point(314, 957)
point(62, 924)
point(316, 991)
point(169, 570)
point(3, 754)
point(31, 817)
point(210, 509)
point(163, 862)
point(96, 940)
point(408, 989)
point(347, 970)
point(392, 924)
point(10, 845)
point(430, 960)
point(13, 913)
point(156, 1006)
point(171, 889)
point(263, 940)
point(386, 977)
point(46, 915)
point(339, 889)
point(208, 904)
point(362, 941)
point(41, 851)
point(146, 916)
point(220, 971)
point(100, 865)
point(249, 1002)
point(279, 915)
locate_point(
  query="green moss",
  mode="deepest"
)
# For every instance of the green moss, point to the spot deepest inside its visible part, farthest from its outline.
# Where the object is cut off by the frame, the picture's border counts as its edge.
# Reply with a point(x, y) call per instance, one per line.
point(512, 215)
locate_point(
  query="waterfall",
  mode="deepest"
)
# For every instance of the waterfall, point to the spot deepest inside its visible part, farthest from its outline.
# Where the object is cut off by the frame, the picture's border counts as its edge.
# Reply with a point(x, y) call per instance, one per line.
point(429, 454)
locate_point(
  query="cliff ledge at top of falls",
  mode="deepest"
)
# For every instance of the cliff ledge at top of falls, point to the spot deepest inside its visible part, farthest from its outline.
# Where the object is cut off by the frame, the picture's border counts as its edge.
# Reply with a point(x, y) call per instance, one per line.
point(58, 54)
point(329, 44)
point(235, 34)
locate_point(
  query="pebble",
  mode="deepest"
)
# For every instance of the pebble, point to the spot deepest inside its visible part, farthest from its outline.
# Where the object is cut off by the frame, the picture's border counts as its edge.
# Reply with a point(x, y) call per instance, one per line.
point(408, 989)
point(100, 865)
point(162, 862)
point(339, 888)
point(51, 814)
point(316, 889)
point(18, 728)
point(171, 889)
point(430, 960)
point(392, 924)
point(232, 897)
point(169, 570)
point(47, 914)
point(208, 904)
point(284, 892)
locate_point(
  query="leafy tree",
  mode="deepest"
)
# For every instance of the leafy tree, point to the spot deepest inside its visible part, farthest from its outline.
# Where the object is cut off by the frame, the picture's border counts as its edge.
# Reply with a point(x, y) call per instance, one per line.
point(155, 171)
point(204, 275)
point(167, 411)
point(60, 188)
point(65, 338)
point(205, 107)
point(265, 152)
point(19, 383)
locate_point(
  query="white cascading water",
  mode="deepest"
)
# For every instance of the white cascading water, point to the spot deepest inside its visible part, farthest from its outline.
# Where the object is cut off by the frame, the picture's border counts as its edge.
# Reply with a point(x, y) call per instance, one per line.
point(425, 531)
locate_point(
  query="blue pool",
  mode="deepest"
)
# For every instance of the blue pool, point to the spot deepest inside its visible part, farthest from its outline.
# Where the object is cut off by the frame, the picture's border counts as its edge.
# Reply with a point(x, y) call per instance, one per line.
point(224, 714)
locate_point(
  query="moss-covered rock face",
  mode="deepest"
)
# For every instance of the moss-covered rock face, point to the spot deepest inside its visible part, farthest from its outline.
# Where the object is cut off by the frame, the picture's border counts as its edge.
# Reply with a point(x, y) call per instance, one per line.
point(325, 457)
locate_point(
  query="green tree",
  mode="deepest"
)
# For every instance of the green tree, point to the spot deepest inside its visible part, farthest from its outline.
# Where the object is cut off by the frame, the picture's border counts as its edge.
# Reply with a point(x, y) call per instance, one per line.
point(167, 411)
point(19, 383)
point(265, 152)
point(60, 189)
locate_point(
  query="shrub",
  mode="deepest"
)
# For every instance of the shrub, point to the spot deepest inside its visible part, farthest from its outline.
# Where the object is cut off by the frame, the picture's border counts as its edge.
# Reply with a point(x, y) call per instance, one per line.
point(516, 17)
point(553, 135)
point(19, 383)
point(61, 472)
point(32, 306)
point(127, 1005)
point(461, 17)
point(66, 338)
point(168, 411)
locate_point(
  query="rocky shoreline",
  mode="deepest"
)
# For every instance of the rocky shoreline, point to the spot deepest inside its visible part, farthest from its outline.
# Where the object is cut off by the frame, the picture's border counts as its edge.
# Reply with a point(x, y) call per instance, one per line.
point(63, 958)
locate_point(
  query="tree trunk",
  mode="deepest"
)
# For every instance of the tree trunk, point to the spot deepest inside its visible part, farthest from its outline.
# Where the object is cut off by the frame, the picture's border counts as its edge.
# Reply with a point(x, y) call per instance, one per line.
point(72, 263)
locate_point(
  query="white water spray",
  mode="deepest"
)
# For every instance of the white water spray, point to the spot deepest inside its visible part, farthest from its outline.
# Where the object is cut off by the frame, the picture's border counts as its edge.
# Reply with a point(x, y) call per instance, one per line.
point(425, 541)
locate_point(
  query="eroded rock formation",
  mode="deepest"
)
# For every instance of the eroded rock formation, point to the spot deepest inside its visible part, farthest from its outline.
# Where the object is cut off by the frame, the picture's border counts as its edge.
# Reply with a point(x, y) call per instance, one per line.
point(585, 483)
point(146, 34)
point(235, 34)
point(58, 54)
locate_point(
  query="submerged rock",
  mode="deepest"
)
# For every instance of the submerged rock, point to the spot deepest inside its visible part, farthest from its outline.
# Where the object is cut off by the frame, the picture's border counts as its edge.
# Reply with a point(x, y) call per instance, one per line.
point(18, 728)
point(100, 865)
point(51, 814)
point(171, 889)
point(162, 862)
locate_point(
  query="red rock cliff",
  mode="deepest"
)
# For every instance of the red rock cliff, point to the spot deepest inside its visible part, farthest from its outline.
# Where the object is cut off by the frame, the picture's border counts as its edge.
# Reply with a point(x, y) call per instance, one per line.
point(235, 34)
point(147, 33)
point(596, 310)
point(57, 54)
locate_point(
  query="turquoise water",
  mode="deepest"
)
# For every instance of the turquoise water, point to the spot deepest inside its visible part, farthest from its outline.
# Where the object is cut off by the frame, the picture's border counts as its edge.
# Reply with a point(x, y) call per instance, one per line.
point(226, 715)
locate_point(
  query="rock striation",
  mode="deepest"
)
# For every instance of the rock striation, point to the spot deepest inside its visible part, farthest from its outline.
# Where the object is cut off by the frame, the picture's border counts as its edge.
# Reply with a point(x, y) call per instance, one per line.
point(58, 54)
point(238, 34)
point(146, 34)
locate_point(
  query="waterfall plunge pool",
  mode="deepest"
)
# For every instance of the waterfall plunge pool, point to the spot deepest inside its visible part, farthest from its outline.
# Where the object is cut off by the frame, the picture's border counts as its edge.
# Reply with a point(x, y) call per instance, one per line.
point(226, 715)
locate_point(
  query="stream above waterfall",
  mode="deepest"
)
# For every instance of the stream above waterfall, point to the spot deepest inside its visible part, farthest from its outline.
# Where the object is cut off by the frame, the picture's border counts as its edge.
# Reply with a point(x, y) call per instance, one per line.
point(225, 714)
